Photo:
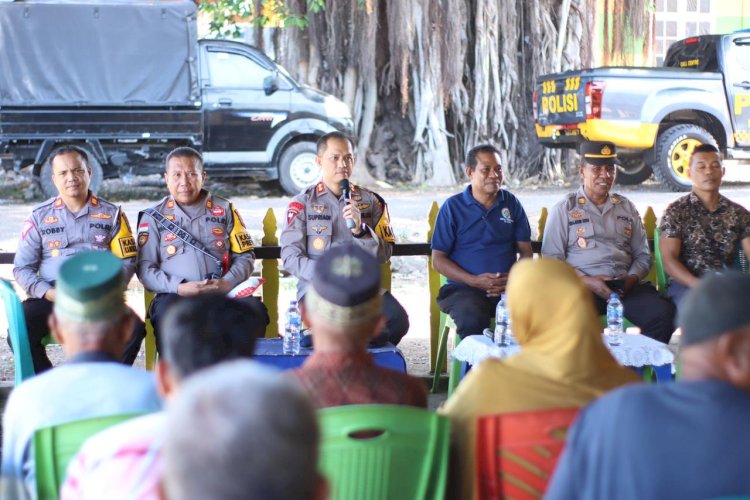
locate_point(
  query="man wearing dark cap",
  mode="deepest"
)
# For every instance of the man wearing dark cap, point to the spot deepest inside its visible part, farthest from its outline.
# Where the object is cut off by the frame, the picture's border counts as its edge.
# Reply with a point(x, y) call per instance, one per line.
point(93, 324)
point(701, 231)
point(343, 307)
point(600, 234)
point(686, 440)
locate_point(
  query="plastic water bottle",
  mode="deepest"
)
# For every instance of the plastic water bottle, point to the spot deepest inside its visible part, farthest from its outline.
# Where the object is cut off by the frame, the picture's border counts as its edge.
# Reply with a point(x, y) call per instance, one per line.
point(502, 323)
point(292, 330)
point(614, 320)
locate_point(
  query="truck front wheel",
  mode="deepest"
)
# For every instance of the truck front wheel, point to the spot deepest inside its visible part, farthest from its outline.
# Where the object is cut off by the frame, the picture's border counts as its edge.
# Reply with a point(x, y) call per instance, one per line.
point(632, 170)
point(297, 167)
point(48, 187)
point(673, 149)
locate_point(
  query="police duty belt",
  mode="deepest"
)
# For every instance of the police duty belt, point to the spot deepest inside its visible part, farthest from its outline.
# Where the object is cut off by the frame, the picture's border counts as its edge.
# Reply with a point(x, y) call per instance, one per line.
point(183, 235)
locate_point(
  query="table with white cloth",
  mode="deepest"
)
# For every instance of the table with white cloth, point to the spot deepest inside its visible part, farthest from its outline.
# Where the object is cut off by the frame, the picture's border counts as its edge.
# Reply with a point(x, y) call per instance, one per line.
point(636, 352)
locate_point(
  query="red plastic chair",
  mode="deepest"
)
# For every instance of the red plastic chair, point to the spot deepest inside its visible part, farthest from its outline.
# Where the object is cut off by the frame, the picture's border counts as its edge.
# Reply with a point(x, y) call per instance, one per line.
point(517, 452)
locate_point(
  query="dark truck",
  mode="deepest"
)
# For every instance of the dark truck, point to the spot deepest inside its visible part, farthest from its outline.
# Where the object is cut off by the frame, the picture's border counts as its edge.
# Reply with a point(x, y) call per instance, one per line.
point(656, 116)
point(129, 81)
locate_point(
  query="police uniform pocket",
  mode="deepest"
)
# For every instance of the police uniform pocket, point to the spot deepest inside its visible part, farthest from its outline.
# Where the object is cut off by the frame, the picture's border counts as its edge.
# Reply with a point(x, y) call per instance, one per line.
point(581, 234)
point(54, 242)
point(624, 230)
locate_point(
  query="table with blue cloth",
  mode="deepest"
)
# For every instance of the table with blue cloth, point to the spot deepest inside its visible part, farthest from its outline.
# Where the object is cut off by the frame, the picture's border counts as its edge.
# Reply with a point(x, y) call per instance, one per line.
point(271, 352)
point(636, 352)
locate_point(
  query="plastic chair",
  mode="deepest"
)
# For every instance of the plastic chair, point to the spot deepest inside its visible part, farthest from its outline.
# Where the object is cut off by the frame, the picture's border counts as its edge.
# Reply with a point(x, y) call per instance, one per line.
point(374, 452)
point(151, 353)
point(55, 446)
point(456, 367)
point(24, 365)
point(661, 275)
point(517, 452)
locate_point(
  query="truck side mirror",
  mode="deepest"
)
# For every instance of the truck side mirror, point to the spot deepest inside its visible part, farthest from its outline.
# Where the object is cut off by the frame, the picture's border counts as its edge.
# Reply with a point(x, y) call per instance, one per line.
point(270, 84)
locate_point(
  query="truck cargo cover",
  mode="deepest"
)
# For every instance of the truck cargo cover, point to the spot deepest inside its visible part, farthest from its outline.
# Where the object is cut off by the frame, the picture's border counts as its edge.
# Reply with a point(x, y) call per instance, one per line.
point(98, 54)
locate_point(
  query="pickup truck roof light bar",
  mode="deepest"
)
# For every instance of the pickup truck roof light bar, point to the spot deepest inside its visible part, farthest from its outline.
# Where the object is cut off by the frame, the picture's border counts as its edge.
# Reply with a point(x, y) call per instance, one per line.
point(691, 40)
point(594, 95)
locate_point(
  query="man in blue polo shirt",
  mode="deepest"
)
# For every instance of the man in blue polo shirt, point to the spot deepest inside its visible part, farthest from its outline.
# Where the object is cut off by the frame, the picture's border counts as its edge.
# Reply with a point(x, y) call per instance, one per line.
point(477, 236)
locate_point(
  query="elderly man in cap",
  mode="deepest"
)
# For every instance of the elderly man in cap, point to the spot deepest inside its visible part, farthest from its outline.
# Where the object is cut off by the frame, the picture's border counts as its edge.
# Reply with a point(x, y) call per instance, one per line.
point(93, 324)
point(199, 332)
point(600, 234)
point(686, 440)
point(194, 243)
point(343, 307)
point(701, 231)
point(75, 221)
point(242, 431)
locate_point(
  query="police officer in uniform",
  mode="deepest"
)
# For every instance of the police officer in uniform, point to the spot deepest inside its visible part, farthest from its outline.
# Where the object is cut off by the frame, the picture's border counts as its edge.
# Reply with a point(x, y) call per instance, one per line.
point(73, 222)
point(194, 243)
point(601, 235)
point(321, 217)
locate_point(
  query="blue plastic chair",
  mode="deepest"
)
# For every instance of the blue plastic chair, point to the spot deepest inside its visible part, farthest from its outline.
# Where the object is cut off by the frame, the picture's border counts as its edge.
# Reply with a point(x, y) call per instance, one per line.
point(17, 333)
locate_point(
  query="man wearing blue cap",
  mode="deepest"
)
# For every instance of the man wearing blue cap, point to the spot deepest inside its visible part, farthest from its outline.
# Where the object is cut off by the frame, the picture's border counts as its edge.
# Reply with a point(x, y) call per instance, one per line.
point(687, 439)
point(92, 322)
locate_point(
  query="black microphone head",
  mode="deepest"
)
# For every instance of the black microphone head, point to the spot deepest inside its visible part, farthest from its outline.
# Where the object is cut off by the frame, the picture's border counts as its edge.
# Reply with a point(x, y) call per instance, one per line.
point(344, 184)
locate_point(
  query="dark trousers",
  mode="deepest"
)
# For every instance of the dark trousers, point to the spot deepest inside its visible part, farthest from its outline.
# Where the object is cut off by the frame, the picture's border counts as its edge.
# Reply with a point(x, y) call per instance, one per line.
point(36, 313)
point(469, 307)
point(396, 322)
point(256, 321)
point(645, 308)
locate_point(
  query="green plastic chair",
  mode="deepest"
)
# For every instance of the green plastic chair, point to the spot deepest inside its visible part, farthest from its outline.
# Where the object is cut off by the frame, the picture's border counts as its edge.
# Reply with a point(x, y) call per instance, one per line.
point(661, 275)
point(377, 452)
point(55, 446)
point(455, 371)
point(24, 365)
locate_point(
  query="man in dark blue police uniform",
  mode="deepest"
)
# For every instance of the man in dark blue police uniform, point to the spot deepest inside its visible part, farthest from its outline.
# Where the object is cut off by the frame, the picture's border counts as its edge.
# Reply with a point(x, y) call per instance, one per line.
point(477, 236)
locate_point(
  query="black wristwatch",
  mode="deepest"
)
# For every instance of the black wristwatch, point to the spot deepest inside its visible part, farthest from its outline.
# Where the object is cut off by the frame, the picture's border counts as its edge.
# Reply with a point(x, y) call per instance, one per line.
point(363, 231)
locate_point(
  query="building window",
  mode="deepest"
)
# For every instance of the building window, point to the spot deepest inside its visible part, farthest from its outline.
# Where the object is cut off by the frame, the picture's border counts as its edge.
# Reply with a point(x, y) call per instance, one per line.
point(678, 19)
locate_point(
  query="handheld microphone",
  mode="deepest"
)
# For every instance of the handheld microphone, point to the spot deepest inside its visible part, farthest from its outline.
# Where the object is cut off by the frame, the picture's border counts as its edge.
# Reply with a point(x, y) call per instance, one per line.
point(346, 192)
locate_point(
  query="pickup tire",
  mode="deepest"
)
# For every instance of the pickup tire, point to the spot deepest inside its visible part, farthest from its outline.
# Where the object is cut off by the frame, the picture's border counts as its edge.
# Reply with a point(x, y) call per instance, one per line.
point(673, 149)
point(632, 170)
point(297, 167)
point(48, 187)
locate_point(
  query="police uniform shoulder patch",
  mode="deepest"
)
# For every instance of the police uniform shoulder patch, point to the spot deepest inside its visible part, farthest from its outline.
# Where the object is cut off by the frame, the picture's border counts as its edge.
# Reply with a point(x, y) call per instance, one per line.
point(123, 244)
point(581, 200)
point(320, 188)
point(170, 204)
point(293, 210)
point(383, 226)
point(94, 201)
point(239, 239)
point(58, 202)
point(28, 225)
point(142, 239)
